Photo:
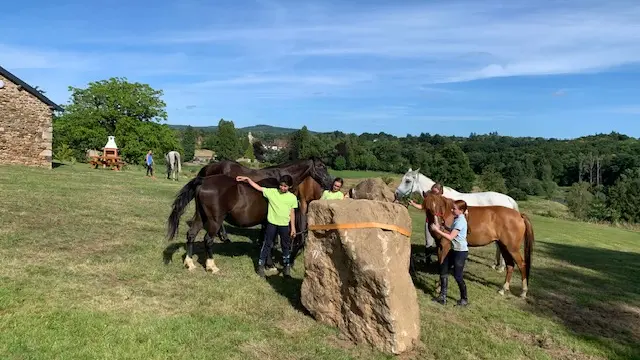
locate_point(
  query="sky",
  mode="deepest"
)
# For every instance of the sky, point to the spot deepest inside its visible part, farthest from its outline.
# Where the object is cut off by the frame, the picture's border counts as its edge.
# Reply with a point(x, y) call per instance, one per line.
point(546, 68)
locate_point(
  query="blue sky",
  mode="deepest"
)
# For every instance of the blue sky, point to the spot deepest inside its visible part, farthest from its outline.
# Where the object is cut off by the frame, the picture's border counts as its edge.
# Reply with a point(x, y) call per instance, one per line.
point(529, 68)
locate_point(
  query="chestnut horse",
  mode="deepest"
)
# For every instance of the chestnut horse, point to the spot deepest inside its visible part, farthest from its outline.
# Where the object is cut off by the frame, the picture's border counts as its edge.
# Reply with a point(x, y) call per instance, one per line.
point(508, 227)
point(296, 169)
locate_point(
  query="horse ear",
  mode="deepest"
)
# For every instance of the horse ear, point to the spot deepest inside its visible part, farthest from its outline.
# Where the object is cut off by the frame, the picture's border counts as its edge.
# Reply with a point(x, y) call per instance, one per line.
point(410, 170)
point(418, 170)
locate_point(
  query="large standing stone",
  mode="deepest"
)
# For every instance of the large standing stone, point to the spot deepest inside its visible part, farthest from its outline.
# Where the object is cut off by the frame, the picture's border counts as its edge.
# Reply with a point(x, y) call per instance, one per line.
point(358, 279)
point(372, 189)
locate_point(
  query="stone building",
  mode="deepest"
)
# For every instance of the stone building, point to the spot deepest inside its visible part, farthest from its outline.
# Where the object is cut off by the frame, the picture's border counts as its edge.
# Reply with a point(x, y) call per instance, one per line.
point(26, 132)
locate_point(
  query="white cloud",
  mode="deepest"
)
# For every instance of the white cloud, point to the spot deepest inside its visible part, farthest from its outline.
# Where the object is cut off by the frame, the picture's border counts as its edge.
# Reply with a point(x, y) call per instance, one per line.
point(276, 53)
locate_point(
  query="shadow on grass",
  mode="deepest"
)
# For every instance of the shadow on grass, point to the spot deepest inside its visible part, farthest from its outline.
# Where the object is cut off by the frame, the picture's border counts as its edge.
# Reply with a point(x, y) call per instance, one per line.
point(289, 288)
point(420, 266)
point(596, 296)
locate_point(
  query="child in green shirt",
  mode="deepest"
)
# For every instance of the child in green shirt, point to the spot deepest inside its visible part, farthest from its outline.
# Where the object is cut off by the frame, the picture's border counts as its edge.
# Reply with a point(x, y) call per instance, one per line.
point(280, 220)
point(334, 193)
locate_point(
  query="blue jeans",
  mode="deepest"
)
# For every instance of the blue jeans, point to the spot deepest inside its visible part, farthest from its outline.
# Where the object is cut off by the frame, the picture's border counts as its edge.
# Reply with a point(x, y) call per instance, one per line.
point(458, 258)
point(270, 233)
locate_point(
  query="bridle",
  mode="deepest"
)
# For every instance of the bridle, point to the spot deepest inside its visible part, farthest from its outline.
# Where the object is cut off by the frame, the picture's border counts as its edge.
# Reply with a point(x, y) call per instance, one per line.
point(405, 195)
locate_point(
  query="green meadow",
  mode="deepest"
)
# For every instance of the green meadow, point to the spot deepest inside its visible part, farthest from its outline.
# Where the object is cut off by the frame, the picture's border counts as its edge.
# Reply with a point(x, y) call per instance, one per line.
point(88, 274)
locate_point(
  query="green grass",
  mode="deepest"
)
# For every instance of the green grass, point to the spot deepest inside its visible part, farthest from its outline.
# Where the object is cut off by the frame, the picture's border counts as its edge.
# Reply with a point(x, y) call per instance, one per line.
point(361, 174)
point(83, 277)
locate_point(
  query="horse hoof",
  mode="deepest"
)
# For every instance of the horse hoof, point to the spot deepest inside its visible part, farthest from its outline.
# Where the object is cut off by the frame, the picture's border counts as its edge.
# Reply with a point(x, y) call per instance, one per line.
point(227, 241)
point(188, 263)
point(211, 267)
point(501, 292)
point(523, 295)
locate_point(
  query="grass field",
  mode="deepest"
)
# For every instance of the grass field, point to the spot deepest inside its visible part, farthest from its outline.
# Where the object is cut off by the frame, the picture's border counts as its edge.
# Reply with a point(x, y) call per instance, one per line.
point(83, 277)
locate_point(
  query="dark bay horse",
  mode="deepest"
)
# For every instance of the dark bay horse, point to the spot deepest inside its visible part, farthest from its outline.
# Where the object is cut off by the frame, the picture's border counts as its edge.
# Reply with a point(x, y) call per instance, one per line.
point(508, 227)
point(220, 198)
point(296, 169)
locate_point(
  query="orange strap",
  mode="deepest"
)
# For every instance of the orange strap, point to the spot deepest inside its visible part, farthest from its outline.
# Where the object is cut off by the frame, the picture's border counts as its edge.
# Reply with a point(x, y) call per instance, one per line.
point(401, 230)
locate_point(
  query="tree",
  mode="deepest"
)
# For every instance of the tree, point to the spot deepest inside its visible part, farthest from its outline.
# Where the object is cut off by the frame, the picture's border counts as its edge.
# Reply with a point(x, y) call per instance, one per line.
point(189, 143)
point(492, 180)
point(111, 100)
point(248, 153)
point(579, 199)
point(340, 163)
point(130, 111)
point(303, 145)
point(452, 168)
point(624, 196)
point(227, 146)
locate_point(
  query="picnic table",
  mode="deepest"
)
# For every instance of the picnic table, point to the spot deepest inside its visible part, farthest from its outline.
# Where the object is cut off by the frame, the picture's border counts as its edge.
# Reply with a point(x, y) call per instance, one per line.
point(113, 162)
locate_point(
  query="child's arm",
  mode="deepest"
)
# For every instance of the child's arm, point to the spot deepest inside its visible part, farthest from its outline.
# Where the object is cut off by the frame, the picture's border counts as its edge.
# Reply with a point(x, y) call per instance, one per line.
point(250, 182)
point(292, 222)
point(449, 236)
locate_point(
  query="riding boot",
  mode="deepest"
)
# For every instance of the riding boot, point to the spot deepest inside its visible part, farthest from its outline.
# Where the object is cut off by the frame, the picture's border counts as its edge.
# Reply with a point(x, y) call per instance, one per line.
point(463, 295)
point(260, 271)
point(444, 282)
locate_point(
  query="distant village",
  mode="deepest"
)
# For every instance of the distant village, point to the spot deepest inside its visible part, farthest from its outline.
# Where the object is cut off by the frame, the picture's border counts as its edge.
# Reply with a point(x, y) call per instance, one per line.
point(204, 156)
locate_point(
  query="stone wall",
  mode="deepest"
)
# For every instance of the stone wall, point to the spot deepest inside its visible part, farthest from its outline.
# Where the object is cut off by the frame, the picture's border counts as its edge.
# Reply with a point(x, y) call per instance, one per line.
point(26, 131)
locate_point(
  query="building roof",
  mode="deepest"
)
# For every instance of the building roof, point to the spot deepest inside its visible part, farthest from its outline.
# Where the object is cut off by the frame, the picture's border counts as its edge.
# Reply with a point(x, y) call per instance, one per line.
point(4, 72)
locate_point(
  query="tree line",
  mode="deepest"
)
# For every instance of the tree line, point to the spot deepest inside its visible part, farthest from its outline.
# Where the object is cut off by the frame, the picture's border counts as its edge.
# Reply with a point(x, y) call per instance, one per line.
point(600, 173)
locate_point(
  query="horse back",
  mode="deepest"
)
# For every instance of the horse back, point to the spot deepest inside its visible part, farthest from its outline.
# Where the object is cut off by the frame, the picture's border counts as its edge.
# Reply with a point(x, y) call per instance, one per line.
point(493, 222)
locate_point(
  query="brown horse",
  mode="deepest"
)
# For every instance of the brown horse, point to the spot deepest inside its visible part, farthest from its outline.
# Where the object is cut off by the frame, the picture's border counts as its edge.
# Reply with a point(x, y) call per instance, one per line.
point(307, 191)
point(487, 224)
point(220, 198)
point(298, 170)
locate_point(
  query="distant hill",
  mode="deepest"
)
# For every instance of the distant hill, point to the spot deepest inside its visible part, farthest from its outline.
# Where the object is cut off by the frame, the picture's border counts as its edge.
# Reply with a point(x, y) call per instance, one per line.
point(255, 129)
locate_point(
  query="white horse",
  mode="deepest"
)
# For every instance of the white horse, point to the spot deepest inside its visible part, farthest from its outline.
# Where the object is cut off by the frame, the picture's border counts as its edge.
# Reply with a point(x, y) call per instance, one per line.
point(172, 160)
point(414, 181)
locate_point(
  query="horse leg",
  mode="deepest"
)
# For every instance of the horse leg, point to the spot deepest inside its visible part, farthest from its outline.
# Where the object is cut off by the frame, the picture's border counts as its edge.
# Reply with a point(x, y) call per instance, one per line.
point(517, 257)
point(191, 236)
point(508, 258)
point(442, 251)
point(210, 265)
point(500, 264)
point(222, 234)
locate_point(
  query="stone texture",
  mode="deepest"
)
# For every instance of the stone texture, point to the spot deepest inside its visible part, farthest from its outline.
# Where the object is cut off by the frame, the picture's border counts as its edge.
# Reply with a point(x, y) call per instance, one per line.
point(372, 189)
point(26, 132)
point(358, 279)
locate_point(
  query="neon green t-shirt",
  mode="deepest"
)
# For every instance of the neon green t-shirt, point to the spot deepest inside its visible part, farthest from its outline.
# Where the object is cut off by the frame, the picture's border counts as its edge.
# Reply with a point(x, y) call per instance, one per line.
point(280, 206)
point(330, 195)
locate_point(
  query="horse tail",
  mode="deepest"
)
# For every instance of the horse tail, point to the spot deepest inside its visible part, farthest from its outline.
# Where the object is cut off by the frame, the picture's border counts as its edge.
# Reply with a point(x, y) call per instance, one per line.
point(528, 245)
point(184, 197)
point(179, 161)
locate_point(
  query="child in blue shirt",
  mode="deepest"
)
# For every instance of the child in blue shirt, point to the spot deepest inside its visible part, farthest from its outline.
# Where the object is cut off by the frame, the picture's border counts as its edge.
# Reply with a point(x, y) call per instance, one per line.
point(458, 254)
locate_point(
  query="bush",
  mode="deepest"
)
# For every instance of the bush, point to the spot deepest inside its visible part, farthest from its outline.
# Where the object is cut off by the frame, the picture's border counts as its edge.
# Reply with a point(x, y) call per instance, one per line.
point(517, 194)
point(579, 200)
point(340, 163)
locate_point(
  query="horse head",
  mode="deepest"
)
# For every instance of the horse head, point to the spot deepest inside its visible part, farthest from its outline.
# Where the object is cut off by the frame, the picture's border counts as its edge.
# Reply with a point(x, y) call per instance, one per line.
point(408, 184)
point(320, 173)
point(437, 208)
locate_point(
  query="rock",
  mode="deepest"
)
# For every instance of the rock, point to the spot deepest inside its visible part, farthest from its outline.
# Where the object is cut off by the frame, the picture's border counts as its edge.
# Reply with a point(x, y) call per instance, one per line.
point(358, 279)
point(372, 189)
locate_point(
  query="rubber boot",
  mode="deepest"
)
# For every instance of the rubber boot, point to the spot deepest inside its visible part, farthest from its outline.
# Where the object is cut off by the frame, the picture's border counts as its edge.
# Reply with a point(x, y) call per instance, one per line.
point(260, 271)
point(444, 284)
point(463, 295)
